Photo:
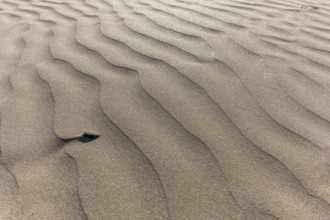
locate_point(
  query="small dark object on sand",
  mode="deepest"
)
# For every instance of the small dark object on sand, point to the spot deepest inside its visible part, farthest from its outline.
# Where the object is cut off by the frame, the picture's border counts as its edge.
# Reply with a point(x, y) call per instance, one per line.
point(84, 138)
point(87, 137)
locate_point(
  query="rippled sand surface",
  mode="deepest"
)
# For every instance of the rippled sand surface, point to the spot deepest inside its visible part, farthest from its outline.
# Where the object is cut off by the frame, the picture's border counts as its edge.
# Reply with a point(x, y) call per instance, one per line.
point(165, 109)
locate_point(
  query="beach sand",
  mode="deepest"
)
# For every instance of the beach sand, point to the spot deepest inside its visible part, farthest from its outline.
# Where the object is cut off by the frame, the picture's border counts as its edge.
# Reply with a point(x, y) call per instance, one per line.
point(164, 109)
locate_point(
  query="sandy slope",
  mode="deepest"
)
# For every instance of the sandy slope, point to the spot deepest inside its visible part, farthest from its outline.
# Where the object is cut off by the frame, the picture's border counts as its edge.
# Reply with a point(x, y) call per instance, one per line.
point(204, 109)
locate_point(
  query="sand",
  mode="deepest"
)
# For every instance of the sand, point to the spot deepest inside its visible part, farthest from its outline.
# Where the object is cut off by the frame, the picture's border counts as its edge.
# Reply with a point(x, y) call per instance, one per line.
point(164, 109)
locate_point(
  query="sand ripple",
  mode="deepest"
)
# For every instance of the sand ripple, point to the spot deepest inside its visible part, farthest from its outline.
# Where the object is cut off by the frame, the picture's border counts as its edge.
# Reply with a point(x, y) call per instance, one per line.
point(193, 109)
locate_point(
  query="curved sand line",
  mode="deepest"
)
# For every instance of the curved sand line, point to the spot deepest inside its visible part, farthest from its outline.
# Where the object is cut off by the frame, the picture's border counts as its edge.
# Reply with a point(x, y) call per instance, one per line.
point(166, 109)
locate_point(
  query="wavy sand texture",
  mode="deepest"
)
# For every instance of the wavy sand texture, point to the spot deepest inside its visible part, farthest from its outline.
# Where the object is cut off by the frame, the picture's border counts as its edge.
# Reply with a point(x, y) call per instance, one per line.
point(205, 109)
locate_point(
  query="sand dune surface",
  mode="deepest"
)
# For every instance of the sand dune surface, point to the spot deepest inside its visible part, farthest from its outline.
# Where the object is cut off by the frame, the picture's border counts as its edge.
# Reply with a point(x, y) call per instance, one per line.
point(165, 109)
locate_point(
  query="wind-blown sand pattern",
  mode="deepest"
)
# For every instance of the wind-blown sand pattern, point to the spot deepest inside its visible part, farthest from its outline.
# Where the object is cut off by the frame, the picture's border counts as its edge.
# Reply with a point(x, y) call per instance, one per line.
point(191, 109)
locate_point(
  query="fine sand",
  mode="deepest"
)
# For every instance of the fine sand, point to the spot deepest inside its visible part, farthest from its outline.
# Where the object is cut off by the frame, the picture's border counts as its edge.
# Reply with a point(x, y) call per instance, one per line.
point(165, 109)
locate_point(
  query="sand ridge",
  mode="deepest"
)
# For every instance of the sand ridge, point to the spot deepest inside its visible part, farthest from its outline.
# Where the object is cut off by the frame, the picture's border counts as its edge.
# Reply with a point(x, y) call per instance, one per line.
point(198, 109)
